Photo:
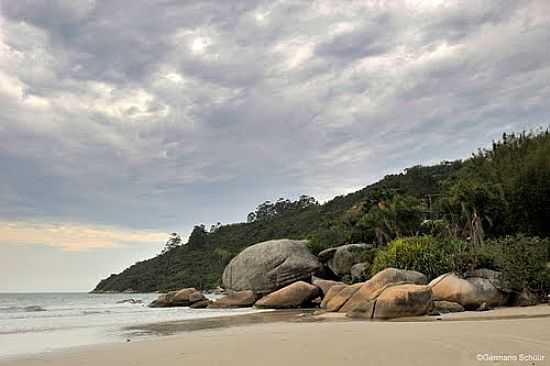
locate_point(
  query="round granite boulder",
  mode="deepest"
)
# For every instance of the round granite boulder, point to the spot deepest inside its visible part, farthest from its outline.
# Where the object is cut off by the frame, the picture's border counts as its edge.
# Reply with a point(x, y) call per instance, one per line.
point(268, 266)
point(341, 259)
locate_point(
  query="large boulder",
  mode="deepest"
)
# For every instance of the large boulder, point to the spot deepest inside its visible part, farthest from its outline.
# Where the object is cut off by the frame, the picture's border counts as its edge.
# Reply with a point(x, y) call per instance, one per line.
point(470, 293)
point(495, 277)
point(161, 301)
point(336, 299)
point(341, 259)
point(360, 272)
point(183, 297)
point(379, 281)
point(331, 293)
point(395, 300)
point(238, 299)
point(268, 266)
point(402, 301)
point(324, 285)
point(292, 296)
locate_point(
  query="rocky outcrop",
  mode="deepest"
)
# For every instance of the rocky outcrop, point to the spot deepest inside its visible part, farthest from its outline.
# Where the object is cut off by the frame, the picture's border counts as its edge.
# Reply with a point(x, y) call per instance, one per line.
point(183, 297)
point(524, 298)
point(238, 299)
point(444, 307)
point(268, 266)
point(324, 285)
point(470, 293)
point(402, 301)
point(360, 272)
point(395, 300)
point(200, 304)
point(196, 296)
point(331, 293)
point(294, 295)
point(338, 295)
point(494, 277)
point(341, 259)
point(370, 288)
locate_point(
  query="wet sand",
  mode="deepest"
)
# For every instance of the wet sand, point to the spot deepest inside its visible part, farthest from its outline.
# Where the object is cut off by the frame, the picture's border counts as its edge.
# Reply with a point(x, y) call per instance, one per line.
point(514, 336)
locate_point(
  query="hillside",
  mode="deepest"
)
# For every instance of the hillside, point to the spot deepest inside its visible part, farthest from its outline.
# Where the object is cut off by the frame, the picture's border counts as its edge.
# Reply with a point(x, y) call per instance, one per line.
point(201, 261)
point(499, 191)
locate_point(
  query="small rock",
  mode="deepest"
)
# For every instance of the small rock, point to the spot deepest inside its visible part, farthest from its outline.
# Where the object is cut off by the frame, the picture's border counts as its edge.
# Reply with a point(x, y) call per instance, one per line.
point(524, 298)
point(447, 307)
point(484, 307)
point(200, 304)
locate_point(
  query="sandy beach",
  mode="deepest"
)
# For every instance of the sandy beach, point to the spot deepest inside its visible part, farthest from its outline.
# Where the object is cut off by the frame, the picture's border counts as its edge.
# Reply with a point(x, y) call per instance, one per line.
point(515, 335)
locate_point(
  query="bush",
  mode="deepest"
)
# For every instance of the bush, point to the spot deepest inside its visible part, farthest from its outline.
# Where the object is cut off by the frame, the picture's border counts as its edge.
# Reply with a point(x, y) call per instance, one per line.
point(522, 261)
point(425, 254)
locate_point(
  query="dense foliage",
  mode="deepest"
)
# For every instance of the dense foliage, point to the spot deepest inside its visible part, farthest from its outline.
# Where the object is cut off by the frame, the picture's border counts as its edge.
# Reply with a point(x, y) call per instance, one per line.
point(453, 216)
point(426, 254)
point(523, 261)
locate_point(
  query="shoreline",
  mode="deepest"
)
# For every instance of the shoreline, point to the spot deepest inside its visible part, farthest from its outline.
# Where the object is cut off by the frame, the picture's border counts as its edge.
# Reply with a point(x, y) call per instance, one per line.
point(225, 336)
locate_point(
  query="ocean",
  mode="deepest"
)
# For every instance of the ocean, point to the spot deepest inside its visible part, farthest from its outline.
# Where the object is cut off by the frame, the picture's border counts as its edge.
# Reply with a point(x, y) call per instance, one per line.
point(45, 322)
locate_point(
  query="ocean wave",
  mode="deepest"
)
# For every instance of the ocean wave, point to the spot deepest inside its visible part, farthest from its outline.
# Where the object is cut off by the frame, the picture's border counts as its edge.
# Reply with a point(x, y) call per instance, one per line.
point(22, 309)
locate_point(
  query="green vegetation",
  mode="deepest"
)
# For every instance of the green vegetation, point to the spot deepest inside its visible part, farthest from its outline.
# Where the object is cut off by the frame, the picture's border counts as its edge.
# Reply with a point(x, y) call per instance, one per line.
point(426, 254)
point(487, 211)
point(523, 261)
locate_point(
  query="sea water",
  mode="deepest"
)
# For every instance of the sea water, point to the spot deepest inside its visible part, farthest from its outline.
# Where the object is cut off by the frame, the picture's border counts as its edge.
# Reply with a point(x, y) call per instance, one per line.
point(44, 322)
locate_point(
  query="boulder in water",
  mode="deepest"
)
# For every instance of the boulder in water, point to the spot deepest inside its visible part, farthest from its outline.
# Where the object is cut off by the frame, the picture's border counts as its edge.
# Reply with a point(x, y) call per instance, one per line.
point(183, 297)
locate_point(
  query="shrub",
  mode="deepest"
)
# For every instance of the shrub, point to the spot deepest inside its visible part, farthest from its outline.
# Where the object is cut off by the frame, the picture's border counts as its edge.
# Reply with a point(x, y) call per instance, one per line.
point(425, 254)
point(522, 261)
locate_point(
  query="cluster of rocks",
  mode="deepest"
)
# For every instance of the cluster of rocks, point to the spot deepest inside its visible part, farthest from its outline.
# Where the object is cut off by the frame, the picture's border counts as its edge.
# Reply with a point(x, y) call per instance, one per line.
point(185, 297)
point(345, 261)
point(281, 274)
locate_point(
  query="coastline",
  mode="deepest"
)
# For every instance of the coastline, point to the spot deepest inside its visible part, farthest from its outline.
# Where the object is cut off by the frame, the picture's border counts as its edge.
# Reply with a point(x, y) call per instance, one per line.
point(326, 339)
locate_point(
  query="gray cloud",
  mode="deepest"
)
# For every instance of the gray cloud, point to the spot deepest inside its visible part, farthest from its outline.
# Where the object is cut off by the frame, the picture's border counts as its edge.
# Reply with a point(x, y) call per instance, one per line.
point(162, 114)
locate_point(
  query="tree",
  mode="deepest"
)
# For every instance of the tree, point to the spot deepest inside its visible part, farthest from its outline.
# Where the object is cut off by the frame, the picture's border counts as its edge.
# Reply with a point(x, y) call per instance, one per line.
point(268, 209)
point(398, 216)
point(224, 256)
point(214, 228)
point(198, 236)
point(173, 241)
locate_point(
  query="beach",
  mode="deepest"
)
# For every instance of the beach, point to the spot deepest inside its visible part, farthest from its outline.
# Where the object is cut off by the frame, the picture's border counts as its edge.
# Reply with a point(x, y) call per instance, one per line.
point(507, 336)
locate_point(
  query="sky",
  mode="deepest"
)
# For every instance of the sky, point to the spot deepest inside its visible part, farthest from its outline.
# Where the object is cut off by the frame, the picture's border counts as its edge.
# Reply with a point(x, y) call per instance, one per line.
point(122, 121)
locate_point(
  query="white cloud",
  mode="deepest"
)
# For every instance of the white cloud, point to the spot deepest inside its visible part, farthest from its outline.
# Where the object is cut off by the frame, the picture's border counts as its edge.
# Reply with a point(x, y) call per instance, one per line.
point(75, 237)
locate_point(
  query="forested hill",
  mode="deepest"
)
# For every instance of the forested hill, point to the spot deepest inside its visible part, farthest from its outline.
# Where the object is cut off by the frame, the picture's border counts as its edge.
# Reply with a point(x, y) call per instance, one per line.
point(200, 262)
point(504, 188)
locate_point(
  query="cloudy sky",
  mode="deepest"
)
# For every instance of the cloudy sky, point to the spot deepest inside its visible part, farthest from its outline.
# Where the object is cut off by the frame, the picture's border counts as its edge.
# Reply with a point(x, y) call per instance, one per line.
point(124, 120)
